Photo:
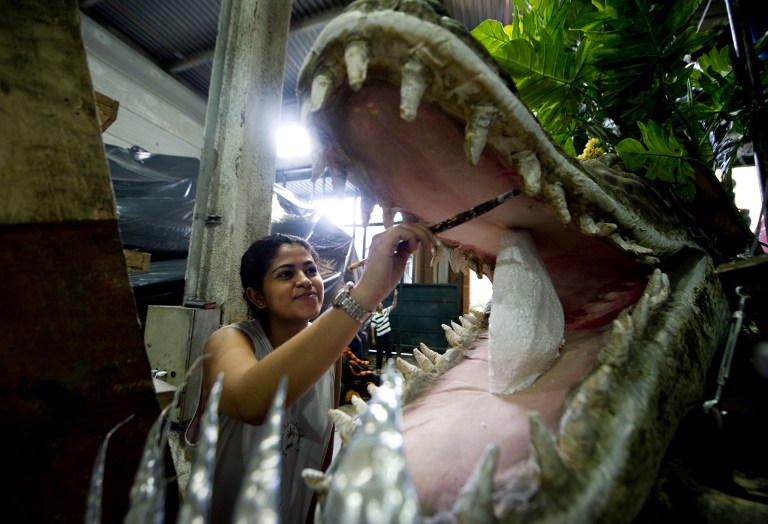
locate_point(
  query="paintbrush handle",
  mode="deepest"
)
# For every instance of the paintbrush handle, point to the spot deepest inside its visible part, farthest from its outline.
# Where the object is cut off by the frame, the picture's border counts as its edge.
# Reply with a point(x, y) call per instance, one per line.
point(459, 219)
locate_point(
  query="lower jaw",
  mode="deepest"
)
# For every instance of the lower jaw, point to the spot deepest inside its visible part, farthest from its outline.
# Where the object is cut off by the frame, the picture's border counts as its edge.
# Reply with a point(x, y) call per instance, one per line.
point(459, 404)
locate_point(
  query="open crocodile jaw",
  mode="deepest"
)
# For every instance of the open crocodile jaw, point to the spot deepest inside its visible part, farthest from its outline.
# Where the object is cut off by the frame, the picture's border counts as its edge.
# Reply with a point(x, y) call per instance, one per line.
point(606, 411)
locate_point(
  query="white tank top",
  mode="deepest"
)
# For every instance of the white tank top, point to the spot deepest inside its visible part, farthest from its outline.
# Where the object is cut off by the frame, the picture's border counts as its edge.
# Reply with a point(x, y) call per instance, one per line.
point(306, 433)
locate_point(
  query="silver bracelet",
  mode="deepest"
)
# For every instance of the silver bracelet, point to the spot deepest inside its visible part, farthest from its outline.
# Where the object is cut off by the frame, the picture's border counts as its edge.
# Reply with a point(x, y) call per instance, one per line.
point(350, 306)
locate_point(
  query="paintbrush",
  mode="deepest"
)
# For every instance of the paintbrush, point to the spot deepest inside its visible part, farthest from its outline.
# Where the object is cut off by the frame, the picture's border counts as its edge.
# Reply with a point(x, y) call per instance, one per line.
point(461, 218)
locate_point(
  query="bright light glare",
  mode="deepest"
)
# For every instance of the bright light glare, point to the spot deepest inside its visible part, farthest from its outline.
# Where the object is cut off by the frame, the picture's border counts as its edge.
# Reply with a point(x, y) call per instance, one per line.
point(292, 142)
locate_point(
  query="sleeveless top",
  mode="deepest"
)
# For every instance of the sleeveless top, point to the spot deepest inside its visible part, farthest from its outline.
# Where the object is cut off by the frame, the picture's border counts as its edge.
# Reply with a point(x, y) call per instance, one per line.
point(306, 432)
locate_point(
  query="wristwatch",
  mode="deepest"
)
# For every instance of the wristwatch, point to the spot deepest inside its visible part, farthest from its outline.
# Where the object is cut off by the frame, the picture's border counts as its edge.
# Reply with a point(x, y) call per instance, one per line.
point(350, 306)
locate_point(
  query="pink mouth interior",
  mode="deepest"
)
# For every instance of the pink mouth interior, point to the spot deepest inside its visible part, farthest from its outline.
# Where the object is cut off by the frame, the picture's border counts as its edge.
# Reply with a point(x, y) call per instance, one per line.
point(421, 168)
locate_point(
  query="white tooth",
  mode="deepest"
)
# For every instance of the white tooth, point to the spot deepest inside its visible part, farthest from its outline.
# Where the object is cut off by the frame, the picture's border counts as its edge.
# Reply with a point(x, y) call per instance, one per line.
point(528, 166)
point(658, 287)
point(372, 388)
point(388, 216)
point(630, 246)
point(433, 356)
point(526, 325)
point(437, 254)
point(407, 369)
point(367, 203)
point(321, 84)
point(554, 473)
point(356, 60)
point(596, 229)
point(476, 132)
point(456, 259)
point(488, 271)
point(359, 404)
point(474, 504)
point(556, 196)
point(616, 350)
point(424, 363)
point(453, 339)
point(412, 87)
point(459, 329)
point(345, 424)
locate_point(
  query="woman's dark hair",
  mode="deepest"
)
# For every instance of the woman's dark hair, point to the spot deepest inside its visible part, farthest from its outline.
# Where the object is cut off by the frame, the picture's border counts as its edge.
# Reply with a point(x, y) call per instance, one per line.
point(256, 260)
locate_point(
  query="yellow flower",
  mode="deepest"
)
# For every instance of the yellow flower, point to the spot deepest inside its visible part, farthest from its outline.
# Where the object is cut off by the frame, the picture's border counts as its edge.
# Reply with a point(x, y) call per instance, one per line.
point(591, 150)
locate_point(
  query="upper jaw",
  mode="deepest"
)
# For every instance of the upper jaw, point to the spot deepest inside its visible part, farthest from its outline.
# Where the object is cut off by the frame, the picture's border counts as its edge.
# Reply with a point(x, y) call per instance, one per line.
point(359, 90)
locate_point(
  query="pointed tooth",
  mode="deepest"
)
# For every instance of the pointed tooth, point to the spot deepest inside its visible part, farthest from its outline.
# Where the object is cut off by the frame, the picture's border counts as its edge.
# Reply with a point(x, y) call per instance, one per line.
point(433, 356)
point(630, 246)
point(476, 132)
point(469, 321)
point(359, 404)
point(656, 292)
point(412, 87)
point(640, 312)
point(474, 504)
point(578, 426)
point(345, 424)
point(424, 363)
point(554, 474)
point(437, 254)
point(488, 271)
point(527, 164)
point(372, 389)
point(388, 216)
point(456, 259)
point(407, 369)
point(454, 340)
point(659, 287)
point(459, 329)
point(616, 350)
point(356, 59)
point(589, 227)
point(321, 84)
point(556, 197)
point(367, 203)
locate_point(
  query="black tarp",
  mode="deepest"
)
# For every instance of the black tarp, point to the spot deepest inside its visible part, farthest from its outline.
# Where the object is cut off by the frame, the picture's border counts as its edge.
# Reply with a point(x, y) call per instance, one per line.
point(155, 196)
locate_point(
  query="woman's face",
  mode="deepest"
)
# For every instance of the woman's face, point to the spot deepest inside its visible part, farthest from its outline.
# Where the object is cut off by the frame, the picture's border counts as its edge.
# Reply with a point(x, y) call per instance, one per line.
point(293, 289)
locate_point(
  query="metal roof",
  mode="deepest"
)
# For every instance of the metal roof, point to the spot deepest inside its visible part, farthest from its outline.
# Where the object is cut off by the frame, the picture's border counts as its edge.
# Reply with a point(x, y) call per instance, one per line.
point(180, 35)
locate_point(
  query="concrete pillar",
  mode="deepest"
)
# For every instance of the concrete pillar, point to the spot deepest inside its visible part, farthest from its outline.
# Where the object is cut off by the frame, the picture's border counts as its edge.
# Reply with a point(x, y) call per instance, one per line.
point(234, 194)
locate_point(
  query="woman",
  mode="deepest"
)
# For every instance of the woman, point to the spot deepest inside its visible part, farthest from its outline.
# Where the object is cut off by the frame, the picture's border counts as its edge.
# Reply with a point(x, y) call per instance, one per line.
point(284, 292)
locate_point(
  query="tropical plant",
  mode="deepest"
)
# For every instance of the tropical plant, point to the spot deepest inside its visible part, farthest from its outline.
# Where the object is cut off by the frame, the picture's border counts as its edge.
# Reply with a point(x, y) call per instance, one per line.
point(634, 74)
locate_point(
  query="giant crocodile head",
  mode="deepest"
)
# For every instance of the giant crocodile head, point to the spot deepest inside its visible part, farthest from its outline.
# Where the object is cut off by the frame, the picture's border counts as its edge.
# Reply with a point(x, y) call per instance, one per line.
point(606, 313)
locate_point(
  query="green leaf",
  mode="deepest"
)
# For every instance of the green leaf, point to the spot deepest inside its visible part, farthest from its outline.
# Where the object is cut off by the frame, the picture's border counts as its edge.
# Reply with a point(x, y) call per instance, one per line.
point(661, 155)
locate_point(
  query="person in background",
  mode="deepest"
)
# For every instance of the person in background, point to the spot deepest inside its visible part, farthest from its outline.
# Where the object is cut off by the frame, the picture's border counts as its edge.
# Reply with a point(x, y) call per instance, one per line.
point(284, 336)
point(381, 331)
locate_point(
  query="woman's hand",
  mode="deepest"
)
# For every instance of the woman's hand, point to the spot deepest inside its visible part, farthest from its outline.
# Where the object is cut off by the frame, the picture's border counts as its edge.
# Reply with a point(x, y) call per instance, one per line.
point(386, 261)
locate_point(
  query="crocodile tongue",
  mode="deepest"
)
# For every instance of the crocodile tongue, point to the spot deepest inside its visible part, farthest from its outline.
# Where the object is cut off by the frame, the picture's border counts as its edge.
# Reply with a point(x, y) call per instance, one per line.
point(526, 323)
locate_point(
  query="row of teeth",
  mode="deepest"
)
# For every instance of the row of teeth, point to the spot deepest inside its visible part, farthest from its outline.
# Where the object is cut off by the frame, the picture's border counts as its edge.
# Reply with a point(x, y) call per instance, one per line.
point(414, 82)
point(556, 459)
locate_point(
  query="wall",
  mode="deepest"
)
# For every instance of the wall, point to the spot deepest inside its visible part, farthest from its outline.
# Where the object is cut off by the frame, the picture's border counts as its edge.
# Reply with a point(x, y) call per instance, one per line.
point(156, 112)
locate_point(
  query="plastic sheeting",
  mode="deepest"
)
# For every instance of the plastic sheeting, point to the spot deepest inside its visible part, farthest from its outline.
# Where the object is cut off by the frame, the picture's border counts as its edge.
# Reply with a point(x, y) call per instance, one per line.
point(155, 197)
